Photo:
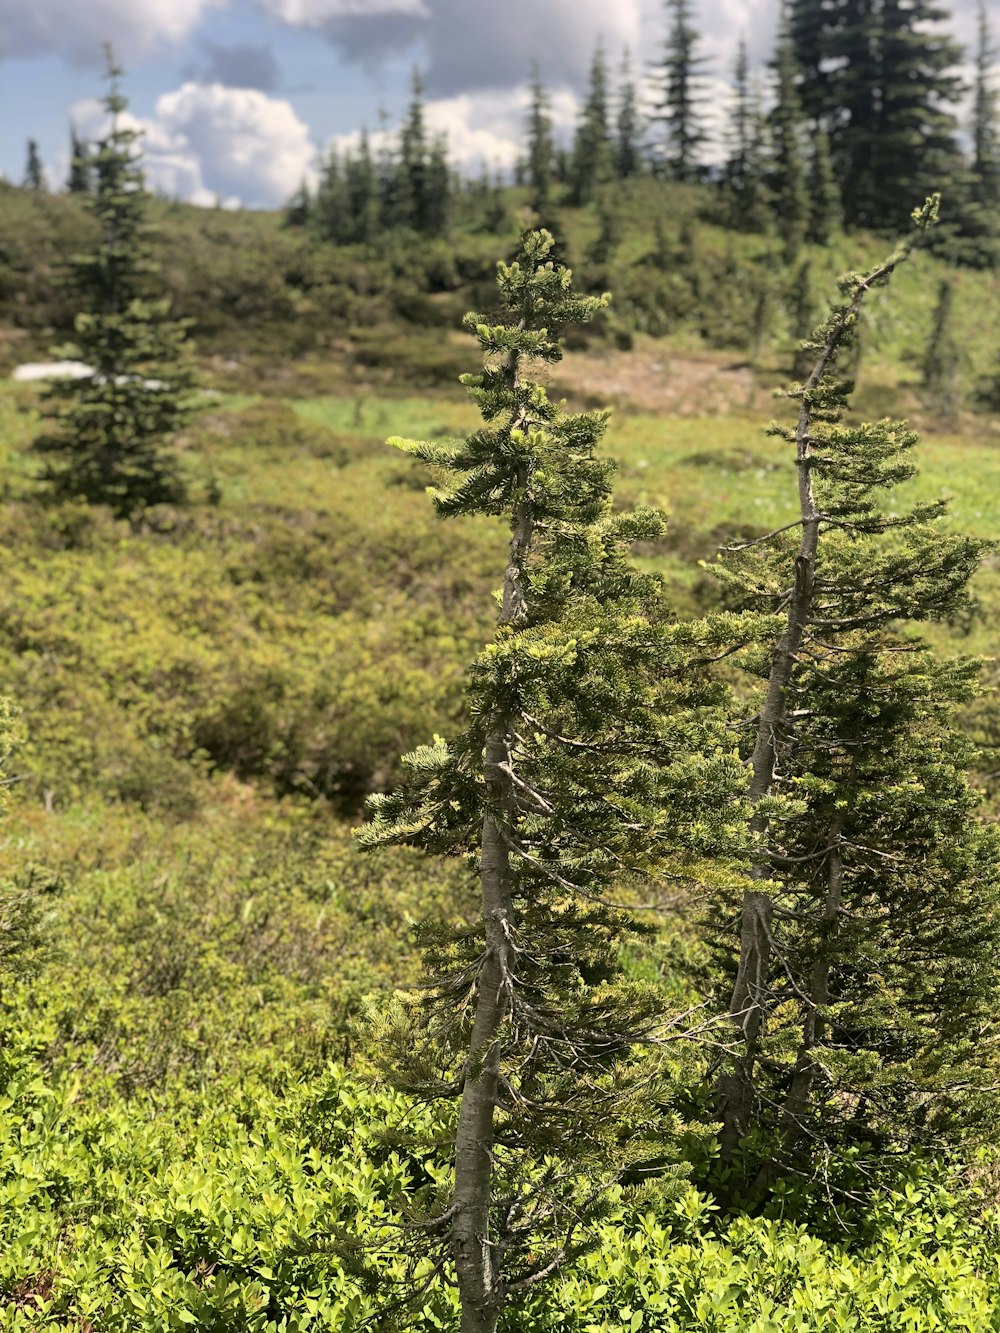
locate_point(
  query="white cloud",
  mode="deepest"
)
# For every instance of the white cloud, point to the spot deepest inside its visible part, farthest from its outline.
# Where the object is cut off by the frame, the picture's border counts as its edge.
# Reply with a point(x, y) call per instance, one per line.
point(315, 13)
point(76, 29)
point(483, 129)
point(206, 142)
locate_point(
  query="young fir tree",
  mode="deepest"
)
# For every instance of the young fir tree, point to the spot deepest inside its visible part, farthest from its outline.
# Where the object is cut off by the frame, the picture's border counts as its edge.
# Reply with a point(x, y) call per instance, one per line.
point(825, 215)
point(865, 992)
point(593, 154)
point(628, 124)
point(34, 172)
point(941, 357)
point(540, 147)
point(680, 95)
point(595, 754)
point(106, 443)
point(743, 187)
point(787, 166)
point(80, 179)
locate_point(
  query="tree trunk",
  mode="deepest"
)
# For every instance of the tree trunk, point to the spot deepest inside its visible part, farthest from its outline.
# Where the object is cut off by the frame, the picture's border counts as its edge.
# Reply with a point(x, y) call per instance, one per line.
point(474, 1248)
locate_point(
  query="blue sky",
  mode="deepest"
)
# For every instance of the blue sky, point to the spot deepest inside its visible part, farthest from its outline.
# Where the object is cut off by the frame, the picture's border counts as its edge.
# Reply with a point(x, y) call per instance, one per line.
point(238, 96)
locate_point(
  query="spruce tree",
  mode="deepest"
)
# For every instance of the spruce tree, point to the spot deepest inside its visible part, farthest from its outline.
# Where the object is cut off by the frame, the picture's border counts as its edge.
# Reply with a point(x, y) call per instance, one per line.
point(866, 968)
point(787, 166)
point(299, 209)
point(540, 148)
point(880, 79)
point(34, 172)
point(331, 212)
point(941, 357)
point(985, 116)
point(593, 155)
point(412, 192)
point(595, 754)
point(360, 191)
point(680, 95)
point(628, 127)
point(80, 179)
point(825, 215)
point(744, 192)
point(106, 442)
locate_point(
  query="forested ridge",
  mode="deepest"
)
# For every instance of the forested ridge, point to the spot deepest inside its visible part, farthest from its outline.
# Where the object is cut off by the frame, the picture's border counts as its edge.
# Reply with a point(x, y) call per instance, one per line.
point(540, 872)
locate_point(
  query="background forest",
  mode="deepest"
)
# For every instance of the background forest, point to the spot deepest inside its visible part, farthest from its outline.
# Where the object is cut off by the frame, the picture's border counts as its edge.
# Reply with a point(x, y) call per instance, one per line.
point(730, 749)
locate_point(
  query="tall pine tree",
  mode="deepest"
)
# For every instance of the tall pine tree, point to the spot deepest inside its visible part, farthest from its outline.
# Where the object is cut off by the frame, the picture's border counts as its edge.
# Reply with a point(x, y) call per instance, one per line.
point(880, 79)
point(744, 191)
point(787, 177)
point(680, 95)
point(866, 969)
point(540, 148)
point(106, 443)
point(628, 125)
point(80, 179)
point(595, 755)
point(593, 153)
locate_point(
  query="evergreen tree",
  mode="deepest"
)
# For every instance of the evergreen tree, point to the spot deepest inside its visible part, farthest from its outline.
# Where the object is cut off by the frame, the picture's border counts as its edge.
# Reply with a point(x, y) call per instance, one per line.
point(576, 772)
point(825, 216)
point(593, 155)
point(412, 191)
point(985, 119)
point(436, 217)
point(298, 210)
point(34, 173)
point(628, 153)
point(106, 441)
point(680, 95)
point(787, 167)
point(865, 987)
point(361, 192)
point(941, 356)
point(879, 78)
point(331, 211)
point(744, 191)
point(802, 318)
point(80, 180)
point(540, 148)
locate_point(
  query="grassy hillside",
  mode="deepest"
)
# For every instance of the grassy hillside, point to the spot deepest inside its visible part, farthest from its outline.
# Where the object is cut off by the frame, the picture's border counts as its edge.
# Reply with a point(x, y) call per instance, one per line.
point(207, 694)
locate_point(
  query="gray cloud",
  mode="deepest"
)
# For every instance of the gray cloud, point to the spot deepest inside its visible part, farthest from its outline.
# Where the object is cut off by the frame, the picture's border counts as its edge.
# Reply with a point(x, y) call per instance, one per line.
point(242, 65)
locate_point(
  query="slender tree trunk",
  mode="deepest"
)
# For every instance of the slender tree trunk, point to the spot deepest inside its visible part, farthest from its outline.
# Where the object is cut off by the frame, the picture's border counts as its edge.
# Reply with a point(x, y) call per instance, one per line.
point(736, 1088)
point(474, 1248)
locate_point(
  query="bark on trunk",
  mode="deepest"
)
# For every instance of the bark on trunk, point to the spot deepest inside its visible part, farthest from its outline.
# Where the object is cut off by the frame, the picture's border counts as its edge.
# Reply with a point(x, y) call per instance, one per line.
point(747, 1011)
point(474, 1248)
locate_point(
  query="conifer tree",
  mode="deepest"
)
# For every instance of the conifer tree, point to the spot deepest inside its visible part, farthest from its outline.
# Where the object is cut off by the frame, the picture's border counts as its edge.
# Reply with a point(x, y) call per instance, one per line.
point(941, 356)
point(680, 95)
point(980, 212)
point(361, 193)
point(880, 79)
point(743, 175)
point(540, 148)
point(34, 172)
point(593, 155)
point(787, 167)
point(80, 179)
point(106, 442)
point(866, 981)
point(412, 189)
point(985, 116)
point(595, 753)
point(298, 210)
point(628, 151)
point(331, 209)
point(825, 216)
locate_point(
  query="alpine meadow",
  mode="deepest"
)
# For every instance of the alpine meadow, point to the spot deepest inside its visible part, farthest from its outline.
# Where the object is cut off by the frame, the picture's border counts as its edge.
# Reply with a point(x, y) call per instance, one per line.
point(500, 741)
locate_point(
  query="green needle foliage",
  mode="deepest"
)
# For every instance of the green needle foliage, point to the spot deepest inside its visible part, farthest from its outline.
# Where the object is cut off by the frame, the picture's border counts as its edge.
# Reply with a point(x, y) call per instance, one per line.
point(866, 988)
point(595, 761)
point(106, 444)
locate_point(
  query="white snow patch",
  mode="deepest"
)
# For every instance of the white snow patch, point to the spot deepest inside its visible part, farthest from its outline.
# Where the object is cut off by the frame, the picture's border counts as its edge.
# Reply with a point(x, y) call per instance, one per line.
point(52, 370)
